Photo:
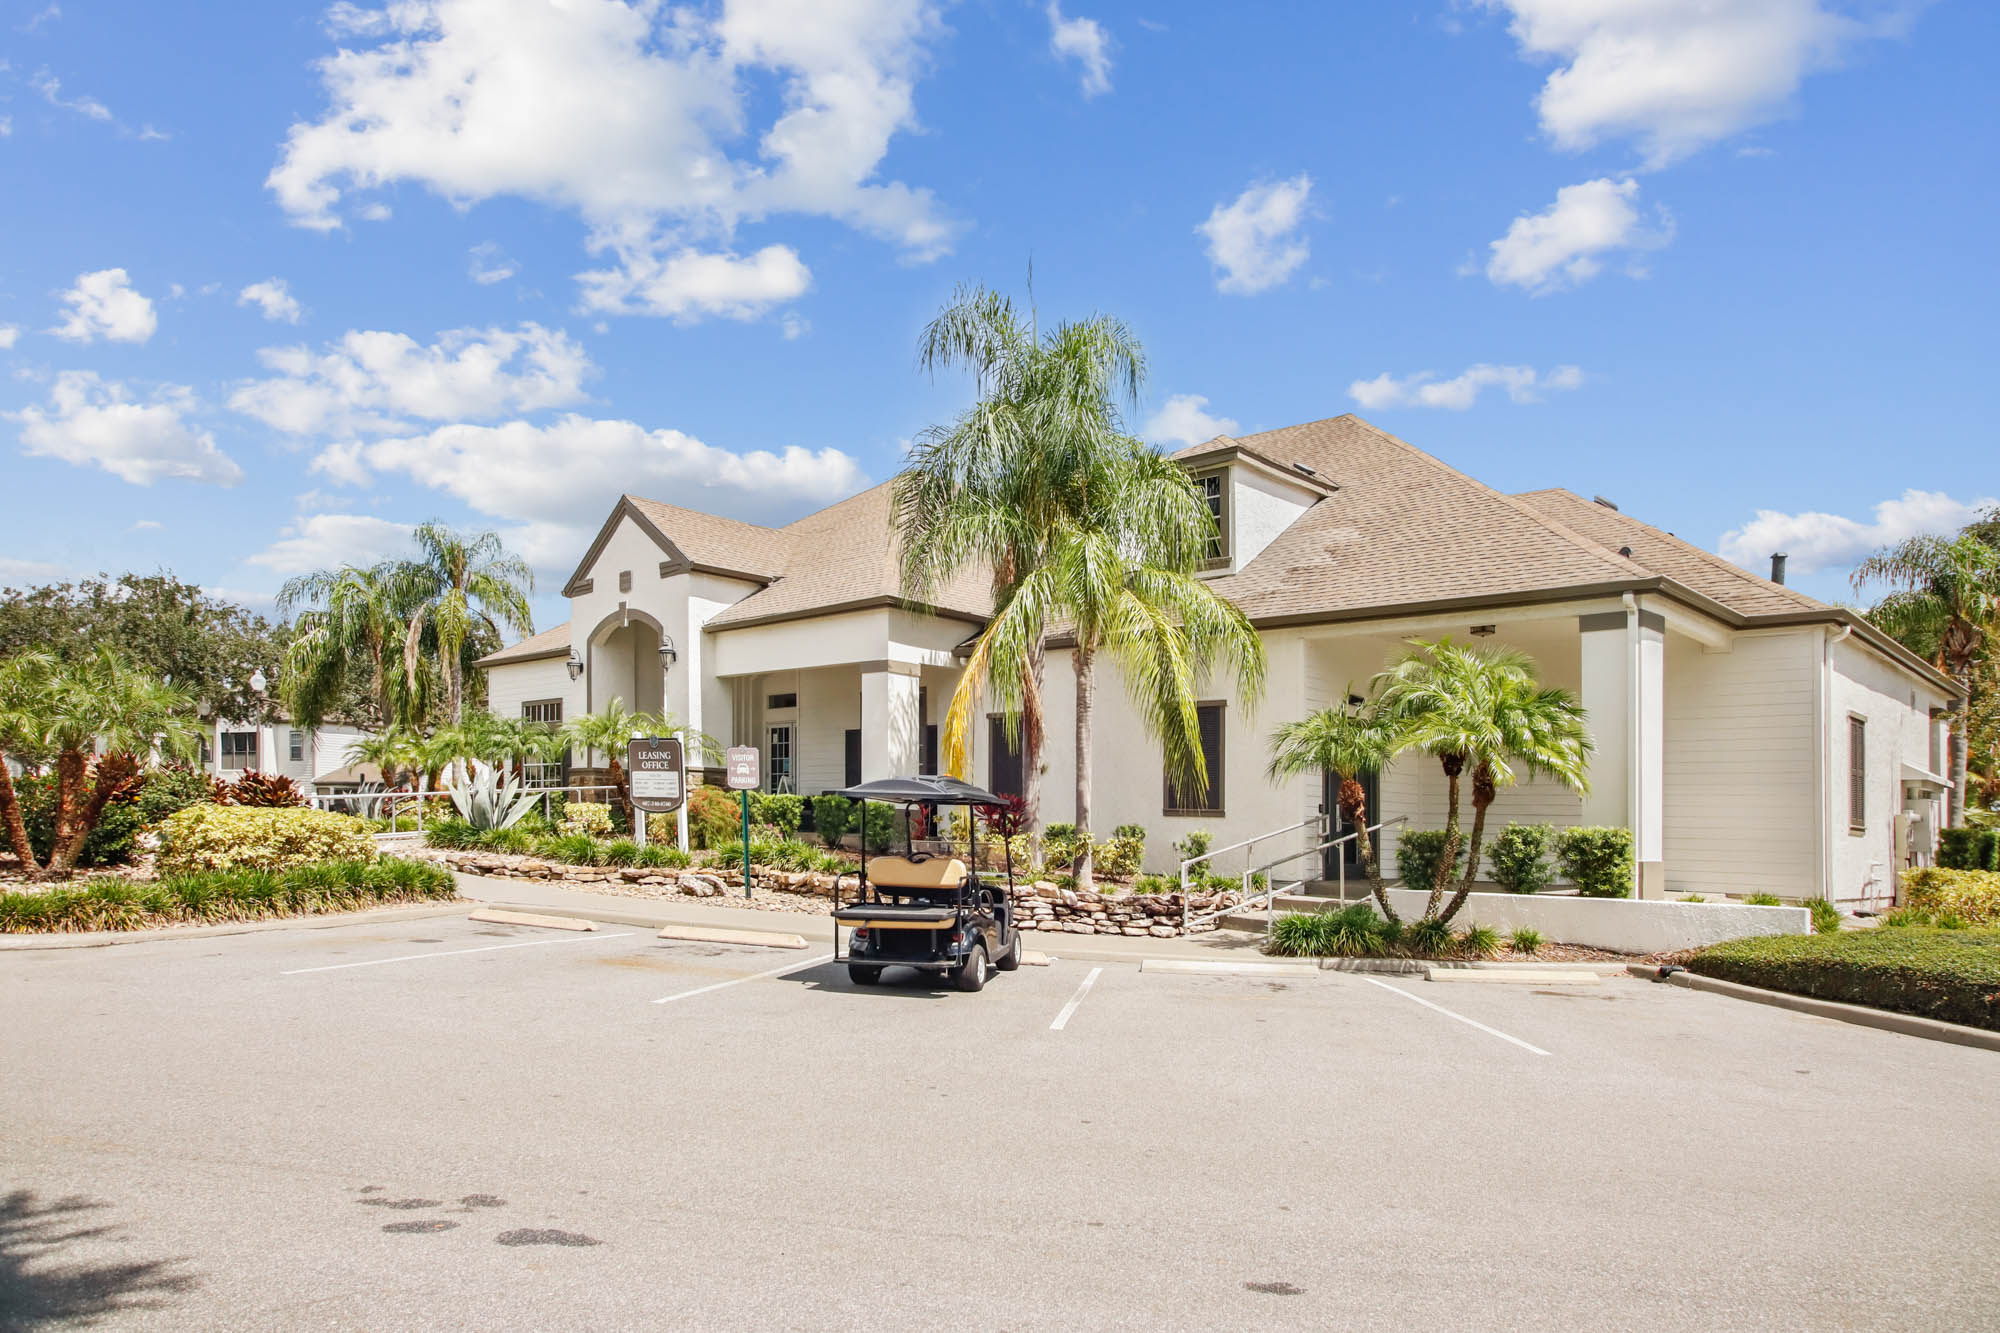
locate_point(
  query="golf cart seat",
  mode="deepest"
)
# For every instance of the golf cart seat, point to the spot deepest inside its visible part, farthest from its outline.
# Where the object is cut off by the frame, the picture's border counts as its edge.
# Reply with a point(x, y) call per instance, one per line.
point(901, 872)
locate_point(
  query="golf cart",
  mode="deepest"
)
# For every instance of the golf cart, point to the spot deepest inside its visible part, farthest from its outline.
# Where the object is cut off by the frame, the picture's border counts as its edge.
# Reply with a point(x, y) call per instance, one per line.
point(927, 909)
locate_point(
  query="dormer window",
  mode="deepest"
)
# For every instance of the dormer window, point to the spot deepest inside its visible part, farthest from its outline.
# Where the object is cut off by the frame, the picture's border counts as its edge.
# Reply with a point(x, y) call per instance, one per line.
point(1214, 488)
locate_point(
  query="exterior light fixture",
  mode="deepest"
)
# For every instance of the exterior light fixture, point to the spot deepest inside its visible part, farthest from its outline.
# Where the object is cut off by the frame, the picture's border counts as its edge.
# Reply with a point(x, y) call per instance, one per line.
point(1482, 631)
point(575, 665)
point(668, 653)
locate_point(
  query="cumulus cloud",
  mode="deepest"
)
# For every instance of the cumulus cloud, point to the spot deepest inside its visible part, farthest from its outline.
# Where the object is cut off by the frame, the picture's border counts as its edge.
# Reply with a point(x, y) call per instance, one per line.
point(487, 263)
point(1254, 239)
point(1087, 43)
point(9, 335)
point(1523, 384)
point(1567, 243)
point(92, 422)
point(324, 541)
point(1677, 77)
point(688, 284)
point(274, 298)
point(1184, 419)
point(1817, 541)
point(375, 382)
point(629, 113)
point(104, 304)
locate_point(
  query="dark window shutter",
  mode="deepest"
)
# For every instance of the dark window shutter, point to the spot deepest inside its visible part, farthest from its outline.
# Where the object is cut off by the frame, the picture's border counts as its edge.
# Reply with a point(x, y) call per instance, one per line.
point(929, 767)
point(1209, 719)
point(1003, 763)
point(854, 758)
point(1857, 773)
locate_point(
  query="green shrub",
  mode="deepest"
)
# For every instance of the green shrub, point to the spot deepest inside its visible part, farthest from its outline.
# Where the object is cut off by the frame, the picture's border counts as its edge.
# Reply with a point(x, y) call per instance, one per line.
point(111, 843)
point(1972, 894)
point(1119, 858)
point(1693, 898)
point(1763, 900)
point(1478, 941)
point(1825, 916)
point(231, 837)
point(1417, 854)
point(256, 789)
point(1597, 860)
point(1525, 940)
point(833, 816)
point(663, 856)
point(884, 830)
point(590, 817)
point(618, 852)
point(1521, 857)
point(714, 818)
point(1154, 884)
point(1352, 932)
point(172, 788)
point(227, 895)
point(1196, 843)
point(574, 849)
point(453, 835)
point(1968, 849)
point(1949, 975)
point(781, 810)
point(1131, 833)
point(1428, 938)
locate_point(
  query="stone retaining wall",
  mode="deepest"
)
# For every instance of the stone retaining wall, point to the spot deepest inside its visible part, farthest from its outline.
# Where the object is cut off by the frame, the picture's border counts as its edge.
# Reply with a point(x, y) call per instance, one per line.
point(1042, 905)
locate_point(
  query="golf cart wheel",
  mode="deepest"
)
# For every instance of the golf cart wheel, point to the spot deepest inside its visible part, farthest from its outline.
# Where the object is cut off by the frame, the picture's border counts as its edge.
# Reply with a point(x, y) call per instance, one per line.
point(971, 974)
point(861, 974)
point(1010, 960)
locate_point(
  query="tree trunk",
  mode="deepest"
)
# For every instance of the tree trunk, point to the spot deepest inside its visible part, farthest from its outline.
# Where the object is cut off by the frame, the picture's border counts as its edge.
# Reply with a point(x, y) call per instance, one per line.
point(1483, 792)
point(1955, 800)
point(69, 781)
point(619, 797)
point(1031, 748)
point(1354, 805)
point(114, 771)
point(17, 830)
point(1086, 686)
point(454, 684)
point(1440, 877)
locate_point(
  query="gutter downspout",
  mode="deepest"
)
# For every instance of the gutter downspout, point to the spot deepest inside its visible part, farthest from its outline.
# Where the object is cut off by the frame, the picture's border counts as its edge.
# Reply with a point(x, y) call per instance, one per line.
point(1634, 697)
point(1823, 737)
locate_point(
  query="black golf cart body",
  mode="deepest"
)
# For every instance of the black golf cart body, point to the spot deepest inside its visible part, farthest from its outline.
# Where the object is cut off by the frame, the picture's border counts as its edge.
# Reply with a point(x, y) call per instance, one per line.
point(927, 910)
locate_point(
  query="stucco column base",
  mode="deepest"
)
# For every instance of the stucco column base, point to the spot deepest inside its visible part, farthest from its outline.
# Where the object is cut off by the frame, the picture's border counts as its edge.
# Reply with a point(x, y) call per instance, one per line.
point(1653, 879)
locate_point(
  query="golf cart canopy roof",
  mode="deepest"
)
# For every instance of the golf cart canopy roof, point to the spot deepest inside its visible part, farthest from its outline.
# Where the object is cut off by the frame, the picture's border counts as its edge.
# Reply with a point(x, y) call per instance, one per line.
point(934, 791)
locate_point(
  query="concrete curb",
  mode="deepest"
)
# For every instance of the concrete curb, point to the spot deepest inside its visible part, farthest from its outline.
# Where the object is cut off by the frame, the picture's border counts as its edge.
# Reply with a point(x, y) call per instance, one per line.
point(1885, 1020)
point(763, 939)
point(1541, 976)
point(501, 917)
point(1419, 966)
point(96, 939)
point(1203, 967)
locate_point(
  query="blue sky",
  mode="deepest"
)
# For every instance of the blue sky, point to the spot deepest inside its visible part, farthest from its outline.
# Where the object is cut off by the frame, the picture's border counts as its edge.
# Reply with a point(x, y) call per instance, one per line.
point(278, 281)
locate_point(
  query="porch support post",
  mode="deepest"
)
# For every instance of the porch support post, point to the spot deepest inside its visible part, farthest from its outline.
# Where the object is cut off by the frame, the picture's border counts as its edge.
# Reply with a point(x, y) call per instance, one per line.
point(891, 731)
point(1623, 660)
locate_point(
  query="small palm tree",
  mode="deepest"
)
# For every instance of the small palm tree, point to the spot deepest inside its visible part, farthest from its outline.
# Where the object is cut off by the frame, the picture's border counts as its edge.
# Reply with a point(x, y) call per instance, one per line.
point(607, 731)
point(1333, 740)
point(1944, 602)
point(345, 616)
point(456, 580)
point(392, 751)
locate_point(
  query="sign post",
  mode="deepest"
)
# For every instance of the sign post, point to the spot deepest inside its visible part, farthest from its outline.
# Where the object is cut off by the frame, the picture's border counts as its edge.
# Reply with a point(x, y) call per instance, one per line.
point(744, 778)
point(656, 770)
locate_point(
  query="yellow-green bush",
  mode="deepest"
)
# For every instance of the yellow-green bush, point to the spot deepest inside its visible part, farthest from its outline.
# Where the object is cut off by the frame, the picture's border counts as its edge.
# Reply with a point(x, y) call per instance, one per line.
point(1971, 895)
point(592, 817)
point(227, 837)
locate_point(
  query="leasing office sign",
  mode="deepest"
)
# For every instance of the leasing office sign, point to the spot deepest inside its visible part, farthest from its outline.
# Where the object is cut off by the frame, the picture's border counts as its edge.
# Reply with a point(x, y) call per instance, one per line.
point(656, 766)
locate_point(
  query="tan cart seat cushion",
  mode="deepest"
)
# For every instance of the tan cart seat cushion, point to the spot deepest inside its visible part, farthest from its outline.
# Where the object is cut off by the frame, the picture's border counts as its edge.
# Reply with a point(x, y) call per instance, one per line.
point(897, 872)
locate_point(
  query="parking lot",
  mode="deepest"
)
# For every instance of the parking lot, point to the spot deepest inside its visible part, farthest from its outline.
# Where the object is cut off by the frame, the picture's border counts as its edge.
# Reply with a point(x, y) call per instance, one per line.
point(443, 1124)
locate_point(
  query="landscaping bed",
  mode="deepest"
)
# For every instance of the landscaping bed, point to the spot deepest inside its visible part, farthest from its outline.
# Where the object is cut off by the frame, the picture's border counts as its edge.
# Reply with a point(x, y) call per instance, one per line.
point(209, 897)
point(1953, 975)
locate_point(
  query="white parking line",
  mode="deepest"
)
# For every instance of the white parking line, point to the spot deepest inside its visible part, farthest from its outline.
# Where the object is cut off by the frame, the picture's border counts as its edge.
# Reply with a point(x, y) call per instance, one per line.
point(1491, 1032)
point(737, 981)
point(1075, 1000)
point(447, 953)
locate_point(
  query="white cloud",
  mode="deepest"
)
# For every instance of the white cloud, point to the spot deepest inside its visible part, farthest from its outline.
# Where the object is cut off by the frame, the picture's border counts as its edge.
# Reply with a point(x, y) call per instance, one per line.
point(795, 326)
point(629, 113)
point(95, 422)
point(322, 541)
point(689, 284)
point(50, 87)
point(1184, 419)
point(1676, 77)
point(1084, 41)
point(1523, 384)
point(1817, 541)
point(9, 335)
point(6, 126)
point(17, 573)
point(374, 382)
point(486, 264)
point(1567, 243)
point(1254, 239)
point(46, 15)
point(105, 303)
point(147, 525)
point(274, 298)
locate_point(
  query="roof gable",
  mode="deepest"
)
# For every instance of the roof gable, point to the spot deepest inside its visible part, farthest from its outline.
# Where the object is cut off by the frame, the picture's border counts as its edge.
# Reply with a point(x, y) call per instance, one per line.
point(701, 541)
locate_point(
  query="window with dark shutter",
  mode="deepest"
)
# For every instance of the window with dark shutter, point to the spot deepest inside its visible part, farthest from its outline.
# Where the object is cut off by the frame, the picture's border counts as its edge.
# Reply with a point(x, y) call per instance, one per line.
point(1003, 762)
point(1209, 801)
point(854, 758)
point(1857, 774)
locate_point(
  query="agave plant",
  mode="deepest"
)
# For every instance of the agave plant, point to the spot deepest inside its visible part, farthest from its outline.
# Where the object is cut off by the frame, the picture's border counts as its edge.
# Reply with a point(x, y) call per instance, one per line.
point(484, 799)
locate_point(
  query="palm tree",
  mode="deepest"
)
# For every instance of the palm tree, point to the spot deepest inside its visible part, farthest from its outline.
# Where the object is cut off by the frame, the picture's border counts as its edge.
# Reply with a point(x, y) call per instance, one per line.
point(989, 489)
point(392, 751)
point(1944, 602)
point(456, 581)
point(1479, 709)
point(351, 617)
point(1333, 740)
point(607, 731)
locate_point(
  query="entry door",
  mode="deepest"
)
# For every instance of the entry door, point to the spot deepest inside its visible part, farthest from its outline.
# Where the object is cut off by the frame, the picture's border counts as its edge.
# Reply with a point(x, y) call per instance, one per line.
point(1349, 852)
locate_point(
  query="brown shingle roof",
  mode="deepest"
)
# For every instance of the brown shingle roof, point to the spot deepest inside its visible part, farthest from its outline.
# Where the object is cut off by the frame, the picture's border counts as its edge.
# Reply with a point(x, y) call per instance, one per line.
point(710, 541)
point(551, 642)
point(1663, 553)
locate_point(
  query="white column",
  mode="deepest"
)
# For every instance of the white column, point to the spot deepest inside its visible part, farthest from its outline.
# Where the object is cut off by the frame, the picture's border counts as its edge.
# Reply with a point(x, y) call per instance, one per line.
point(891, 731)
point(1623, 661)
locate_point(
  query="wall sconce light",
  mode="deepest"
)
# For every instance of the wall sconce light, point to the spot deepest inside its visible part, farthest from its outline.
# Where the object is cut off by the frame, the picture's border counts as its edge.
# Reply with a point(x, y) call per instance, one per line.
point(668, 653)
point(575, 665)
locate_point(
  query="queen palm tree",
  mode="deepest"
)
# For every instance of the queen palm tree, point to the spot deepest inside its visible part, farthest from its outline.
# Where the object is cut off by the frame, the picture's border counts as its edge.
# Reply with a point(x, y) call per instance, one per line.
point(458, 580)
point(350, 615)
point(392, 751)
point(1334, 740)
point(1944, 602)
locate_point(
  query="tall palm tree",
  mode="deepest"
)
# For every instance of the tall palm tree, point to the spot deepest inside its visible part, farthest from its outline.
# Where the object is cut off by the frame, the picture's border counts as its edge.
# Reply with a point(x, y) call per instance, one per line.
point(1333, 740)
point(607, 731)
point(1945, 602)
point(990, 489)
point(456, 580)
point(1479, 709)
point(350, 615)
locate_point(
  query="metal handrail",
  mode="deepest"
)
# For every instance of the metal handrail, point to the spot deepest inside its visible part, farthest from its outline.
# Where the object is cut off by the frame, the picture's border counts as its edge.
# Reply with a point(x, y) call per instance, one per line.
point(384, 802)
point(1187, 891)
point(1269, 892)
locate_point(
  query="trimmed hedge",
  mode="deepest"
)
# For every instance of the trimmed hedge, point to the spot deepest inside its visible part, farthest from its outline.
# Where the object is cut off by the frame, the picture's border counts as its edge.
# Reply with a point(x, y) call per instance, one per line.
point(227, 895)
point(1520, 857)
point(1969, 849)
point(1417, 855)
point(1952, 975)
point(234, 837)
point(1597, 860)
point(1970, 895)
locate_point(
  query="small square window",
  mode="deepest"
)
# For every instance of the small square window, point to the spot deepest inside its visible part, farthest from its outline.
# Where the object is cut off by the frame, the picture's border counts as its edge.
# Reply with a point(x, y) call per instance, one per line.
point(775, 702)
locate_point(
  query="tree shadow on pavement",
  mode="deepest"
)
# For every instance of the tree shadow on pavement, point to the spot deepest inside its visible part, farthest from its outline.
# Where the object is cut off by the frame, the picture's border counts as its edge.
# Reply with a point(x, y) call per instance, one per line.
point(40, 1285)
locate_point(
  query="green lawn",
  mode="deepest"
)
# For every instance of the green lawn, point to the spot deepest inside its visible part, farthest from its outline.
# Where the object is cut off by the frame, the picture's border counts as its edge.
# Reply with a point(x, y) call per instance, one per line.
point(1952, 975)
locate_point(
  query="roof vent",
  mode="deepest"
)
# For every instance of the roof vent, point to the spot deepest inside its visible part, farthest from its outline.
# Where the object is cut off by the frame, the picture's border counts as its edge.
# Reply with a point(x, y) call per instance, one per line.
point(1301, 467)
point(1625, 551)
point(1777, 567)
point(1608, 504)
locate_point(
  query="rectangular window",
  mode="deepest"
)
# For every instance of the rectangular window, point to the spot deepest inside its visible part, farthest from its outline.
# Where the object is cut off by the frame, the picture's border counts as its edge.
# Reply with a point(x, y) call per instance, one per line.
point(927, 760)
point(778, 776)
point(1003, 759)
point(1937, 746)
point(853, 740)
point(624, 580)
point(239, 749)
point(775, 702)
point(1208, 801)
point(1857, 775)
point(296, 746)
point(544, 773)
point(1214, 488)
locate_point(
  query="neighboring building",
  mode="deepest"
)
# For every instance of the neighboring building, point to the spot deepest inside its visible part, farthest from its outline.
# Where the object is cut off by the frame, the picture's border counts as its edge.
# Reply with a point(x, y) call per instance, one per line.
point(307, 755)
point(1751, 737)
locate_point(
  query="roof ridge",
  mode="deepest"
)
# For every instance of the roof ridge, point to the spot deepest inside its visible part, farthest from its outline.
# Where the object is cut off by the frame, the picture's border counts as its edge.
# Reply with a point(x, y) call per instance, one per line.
point(833, 504)
point(702, 513)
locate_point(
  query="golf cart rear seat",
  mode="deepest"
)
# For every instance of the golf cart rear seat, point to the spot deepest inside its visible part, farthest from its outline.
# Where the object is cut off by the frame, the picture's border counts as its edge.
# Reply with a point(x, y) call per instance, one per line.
point(900, 872)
